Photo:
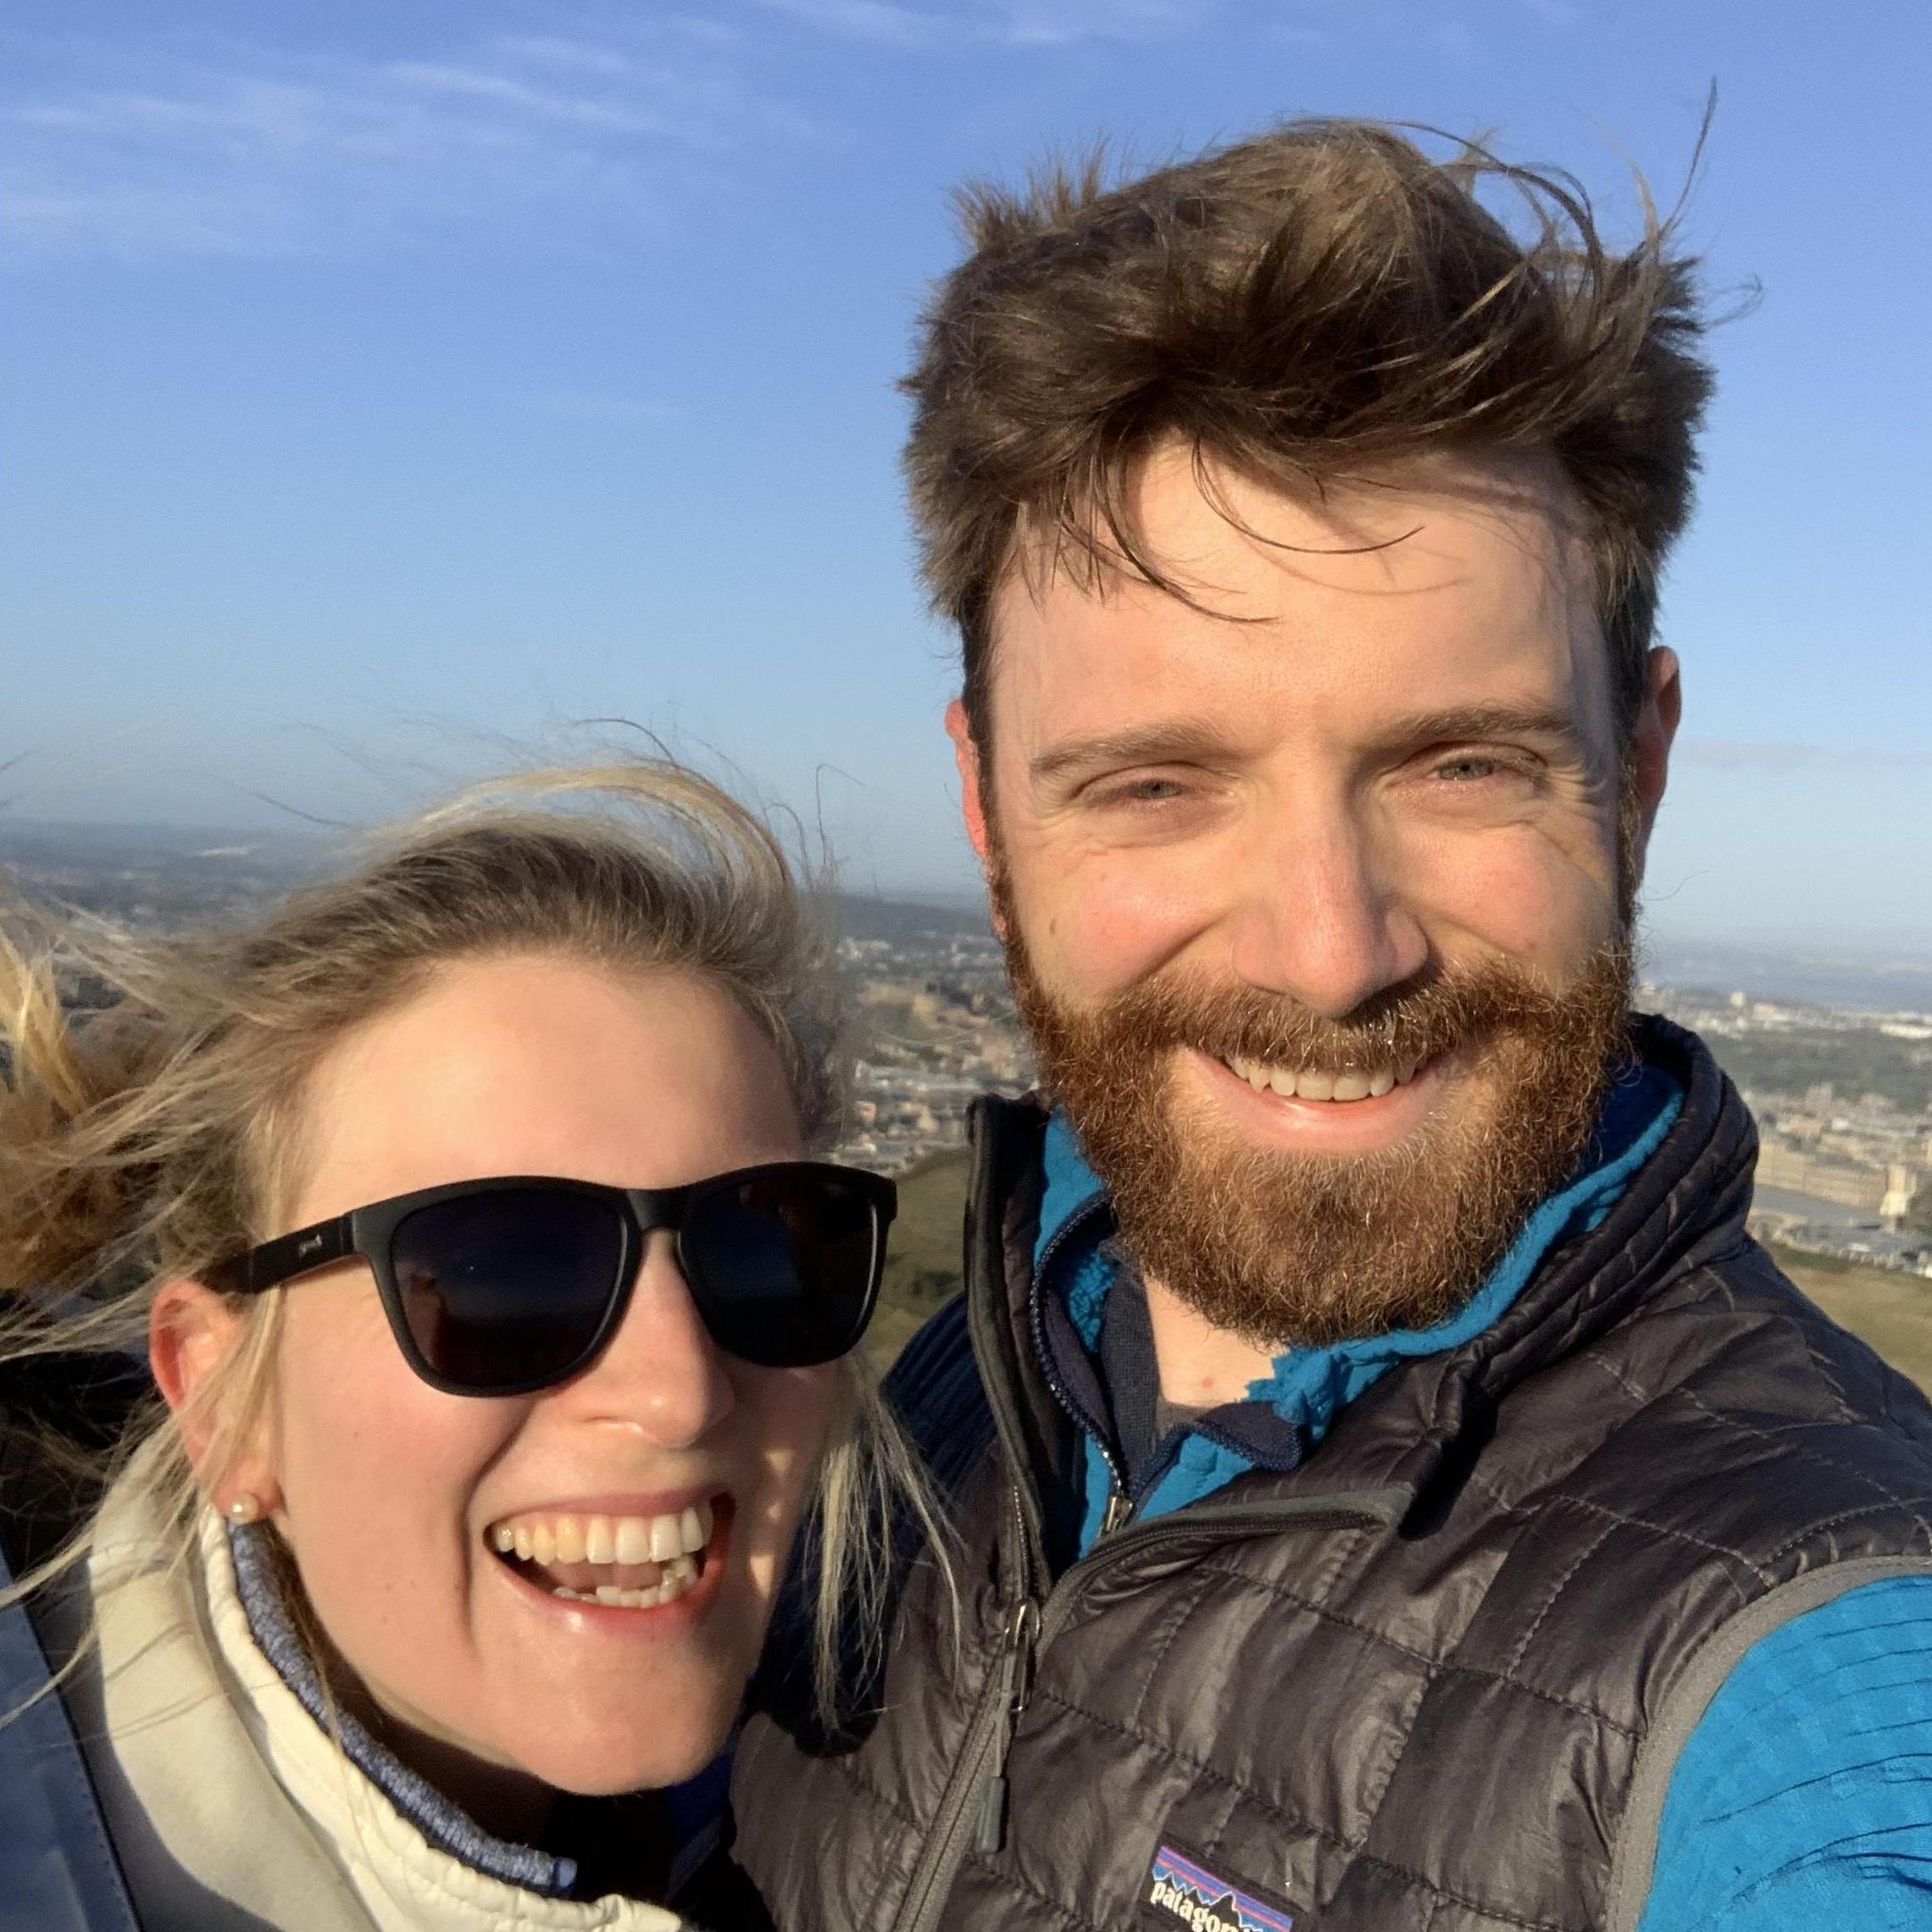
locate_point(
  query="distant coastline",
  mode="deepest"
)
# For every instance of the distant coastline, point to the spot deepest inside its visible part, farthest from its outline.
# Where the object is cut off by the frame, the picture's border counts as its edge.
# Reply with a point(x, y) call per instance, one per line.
point(254, 861)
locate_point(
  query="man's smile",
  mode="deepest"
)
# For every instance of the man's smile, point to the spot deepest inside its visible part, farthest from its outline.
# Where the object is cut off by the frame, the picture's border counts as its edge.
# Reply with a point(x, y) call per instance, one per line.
point(1316, 1083)
point(1318, 1110)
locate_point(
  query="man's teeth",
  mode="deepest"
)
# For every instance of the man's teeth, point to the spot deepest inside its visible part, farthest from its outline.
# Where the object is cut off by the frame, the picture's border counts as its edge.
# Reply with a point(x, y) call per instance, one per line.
point(670, 1541)
point(1307, 1084)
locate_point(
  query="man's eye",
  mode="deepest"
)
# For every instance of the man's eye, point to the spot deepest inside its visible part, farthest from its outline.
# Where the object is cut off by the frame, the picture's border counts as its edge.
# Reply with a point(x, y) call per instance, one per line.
point(1143, 792)
point(1475, 765)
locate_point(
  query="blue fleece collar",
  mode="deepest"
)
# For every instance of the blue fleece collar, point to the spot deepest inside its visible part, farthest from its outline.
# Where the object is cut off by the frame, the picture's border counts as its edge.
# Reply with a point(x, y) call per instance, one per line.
point(1308, 1387)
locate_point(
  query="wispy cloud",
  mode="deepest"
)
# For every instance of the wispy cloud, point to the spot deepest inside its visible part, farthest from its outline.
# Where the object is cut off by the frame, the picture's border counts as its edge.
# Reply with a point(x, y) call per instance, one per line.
point(996, 22)
point(244, 150)
point(1746, 754)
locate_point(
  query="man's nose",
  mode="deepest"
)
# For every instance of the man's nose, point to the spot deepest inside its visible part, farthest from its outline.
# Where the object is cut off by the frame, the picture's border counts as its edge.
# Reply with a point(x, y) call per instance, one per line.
point(661, 1377)
point(1320, 915)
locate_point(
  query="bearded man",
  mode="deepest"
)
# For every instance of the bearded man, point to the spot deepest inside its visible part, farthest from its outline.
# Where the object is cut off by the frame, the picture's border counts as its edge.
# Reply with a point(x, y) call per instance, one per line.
point(1391, 1489)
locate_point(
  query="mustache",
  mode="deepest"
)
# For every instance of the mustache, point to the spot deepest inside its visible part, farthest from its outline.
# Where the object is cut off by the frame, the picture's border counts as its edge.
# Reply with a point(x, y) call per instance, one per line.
point(1428, 1016)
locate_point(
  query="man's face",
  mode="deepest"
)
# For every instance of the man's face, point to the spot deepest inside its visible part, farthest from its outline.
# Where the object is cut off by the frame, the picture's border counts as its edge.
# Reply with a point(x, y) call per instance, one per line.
point(1313, 895)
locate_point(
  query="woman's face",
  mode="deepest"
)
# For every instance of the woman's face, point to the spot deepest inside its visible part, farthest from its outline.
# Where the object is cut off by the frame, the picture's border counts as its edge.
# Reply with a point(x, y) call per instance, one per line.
point(396, 1500)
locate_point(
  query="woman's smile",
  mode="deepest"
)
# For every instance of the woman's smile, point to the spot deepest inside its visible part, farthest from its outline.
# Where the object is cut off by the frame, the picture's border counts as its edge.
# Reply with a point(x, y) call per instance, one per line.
point(616, 1556)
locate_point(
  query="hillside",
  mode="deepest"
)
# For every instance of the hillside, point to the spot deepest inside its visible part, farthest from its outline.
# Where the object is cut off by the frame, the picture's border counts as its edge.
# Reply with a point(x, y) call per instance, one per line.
point(1891, 1311)
point(923, 1267)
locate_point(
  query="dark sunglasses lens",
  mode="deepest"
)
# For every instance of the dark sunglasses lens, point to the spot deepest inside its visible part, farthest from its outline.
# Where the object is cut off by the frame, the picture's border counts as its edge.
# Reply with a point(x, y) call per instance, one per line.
point(506, 1290)
point(782, 1265)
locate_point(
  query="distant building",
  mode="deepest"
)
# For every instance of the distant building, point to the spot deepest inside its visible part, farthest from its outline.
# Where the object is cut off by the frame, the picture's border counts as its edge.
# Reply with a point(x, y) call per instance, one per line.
point(1779, 1165)
point(1902, 1183)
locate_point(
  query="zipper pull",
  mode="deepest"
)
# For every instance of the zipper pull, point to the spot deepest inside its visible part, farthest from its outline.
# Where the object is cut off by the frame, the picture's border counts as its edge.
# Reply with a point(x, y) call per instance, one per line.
point(1119, 1509)
point(1016, 1685)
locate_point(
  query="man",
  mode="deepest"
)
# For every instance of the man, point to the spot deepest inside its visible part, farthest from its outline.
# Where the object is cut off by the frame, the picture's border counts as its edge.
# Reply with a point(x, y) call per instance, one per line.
point(1391, 1489)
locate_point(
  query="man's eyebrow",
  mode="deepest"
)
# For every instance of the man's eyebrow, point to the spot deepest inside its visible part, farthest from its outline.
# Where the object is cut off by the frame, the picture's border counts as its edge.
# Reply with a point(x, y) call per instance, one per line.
point(1484, 721)
point(1173, 740)
point(1184, 740)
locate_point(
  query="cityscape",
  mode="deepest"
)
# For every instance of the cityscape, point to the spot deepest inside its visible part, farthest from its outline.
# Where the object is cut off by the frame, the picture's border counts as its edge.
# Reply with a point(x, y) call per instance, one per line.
point(1842, 1097)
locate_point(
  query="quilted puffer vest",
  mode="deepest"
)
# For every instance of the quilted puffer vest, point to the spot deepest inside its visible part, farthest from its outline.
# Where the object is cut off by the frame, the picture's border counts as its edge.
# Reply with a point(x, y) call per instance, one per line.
point(1433, 1681)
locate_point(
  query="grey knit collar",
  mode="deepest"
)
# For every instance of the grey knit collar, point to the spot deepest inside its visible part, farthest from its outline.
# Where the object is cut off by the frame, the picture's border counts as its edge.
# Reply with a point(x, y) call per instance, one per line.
point(446, 1827)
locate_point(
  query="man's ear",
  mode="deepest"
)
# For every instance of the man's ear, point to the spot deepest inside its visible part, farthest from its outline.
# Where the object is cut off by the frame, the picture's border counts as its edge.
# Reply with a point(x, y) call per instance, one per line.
point(966, 756)
point(1655, 727)
point(192, 1332)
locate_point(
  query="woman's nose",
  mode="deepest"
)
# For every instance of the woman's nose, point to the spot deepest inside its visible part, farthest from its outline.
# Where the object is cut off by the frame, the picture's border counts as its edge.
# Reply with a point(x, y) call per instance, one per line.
point(661, 1374)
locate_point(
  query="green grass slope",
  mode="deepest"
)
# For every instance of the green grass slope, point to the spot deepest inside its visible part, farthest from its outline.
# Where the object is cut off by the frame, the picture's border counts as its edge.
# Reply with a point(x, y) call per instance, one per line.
point(922, 1263)
point(1891, 1311)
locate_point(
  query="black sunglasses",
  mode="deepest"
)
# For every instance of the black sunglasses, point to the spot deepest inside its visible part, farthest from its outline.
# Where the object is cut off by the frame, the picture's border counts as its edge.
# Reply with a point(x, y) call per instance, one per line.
point(504, 1286)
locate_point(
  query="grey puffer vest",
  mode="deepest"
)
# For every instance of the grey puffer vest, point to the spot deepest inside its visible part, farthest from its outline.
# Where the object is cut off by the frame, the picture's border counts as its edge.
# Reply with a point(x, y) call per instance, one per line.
point(1434, 1680)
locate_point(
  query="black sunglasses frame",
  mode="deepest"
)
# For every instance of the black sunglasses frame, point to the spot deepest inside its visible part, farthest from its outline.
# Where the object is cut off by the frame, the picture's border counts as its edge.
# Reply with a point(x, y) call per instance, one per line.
point(370, 1231)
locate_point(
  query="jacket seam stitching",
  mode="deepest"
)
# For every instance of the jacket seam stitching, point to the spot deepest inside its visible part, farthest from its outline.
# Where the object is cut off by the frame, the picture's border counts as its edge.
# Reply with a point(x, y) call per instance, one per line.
point(1763, 1576)
point(1541, 1696)
point(1870, 1482)
point(1598, 1357)
point(1202, 1768)
point(1434, 1665)
point(1455, 1897)
point(1010, 1876)
point(1268, 1587)
point(1179, 1624)
point(1832, 1521)
point(845, 1768)
point(1566, 1577)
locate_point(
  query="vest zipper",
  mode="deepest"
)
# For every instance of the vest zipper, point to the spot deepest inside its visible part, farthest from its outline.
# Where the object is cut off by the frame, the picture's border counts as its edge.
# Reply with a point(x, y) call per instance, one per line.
point(1015, 1682)
point(1030, 1626)
point(986, 1737)
point(989, 1732)
point(1088, 1426)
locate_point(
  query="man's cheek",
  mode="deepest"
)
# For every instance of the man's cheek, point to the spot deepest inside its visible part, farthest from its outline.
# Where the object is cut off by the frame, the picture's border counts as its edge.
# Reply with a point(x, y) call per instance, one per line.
point(1540, 899)
point(1116, 925)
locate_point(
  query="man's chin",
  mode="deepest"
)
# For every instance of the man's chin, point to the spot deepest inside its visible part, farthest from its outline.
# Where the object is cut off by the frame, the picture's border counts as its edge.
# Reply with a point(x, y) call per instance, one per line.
point(1290, 1218)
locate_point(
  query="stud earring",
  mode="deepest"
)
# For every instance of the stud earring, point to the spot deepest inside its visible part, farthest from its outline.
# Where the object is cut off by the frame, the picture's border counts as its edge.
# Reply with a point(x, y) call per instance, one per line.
point(245, 1508)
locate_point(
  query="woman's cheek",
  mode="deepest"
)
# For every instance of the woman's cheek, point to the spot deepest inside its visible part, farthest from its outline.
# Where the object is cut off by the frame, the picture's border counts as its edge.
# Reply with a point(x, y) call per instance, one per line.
point(795, 1408)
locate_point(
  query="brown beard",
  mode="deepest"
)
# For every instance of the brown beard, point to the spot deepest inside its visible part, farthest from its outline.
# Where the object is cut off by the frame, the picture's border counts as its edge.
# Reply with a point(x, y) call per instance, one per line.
point(1295, 1249)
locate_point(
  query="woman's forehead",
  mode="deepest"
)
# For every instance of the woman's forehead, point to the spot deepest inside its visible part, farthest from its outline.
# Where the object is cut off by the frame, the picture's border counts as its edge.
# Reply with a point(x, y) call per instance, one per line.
point(543, 1065)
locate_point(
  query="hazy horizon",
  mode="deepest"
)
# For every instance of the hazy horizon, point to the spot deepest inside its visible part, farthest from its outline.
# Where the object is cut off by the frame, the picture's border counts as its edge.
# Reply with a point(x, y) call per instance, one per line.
point(1791, 965)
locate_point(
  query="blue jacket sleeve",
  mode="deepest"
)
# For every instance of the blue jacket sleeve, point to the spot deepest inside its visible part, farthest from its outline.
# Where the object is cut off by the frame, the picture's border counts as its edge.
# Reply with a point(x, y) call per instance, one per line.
point(1803, 1798)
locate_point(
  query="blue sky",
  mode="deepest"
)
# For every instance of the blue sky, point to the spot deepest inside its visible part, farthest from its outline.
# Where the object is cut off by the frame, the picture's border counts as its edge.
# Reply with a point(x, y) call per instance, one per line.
point(390, 386)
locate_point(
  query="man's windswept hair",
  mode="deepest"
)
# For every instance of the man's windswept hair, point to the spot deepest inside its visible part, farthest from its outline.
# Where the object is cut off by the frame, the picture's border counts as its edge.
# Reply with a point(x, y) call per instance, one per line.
point(1305, 307)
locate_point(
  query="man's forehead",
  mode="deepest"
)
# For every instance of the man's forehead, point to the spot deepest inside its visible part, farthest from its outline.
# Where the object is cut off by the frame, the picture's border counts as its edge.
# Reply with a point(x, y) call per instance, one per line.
point(1180, 516)
point(1459, 582)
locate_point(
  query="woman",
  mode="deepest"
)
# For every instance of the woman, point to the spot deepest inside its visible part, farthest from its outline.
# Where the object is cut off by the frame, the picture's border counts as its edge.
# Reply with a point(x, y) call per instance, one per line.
point(500, 1322)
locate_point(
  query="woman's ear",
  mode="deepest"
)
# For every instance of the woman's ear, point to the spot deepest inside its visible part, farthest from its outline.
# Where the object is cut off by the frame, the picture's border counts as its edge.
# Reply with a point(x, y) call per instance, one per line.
point(193, 1333)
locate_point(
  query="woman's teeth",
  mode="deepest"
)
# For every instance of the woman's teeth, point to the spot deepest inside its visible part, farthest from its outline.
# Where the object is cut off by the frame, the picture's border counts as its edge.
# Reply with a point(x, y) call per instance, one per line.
point(666, 1548)
point(680, 1576)
point(1306, 1084)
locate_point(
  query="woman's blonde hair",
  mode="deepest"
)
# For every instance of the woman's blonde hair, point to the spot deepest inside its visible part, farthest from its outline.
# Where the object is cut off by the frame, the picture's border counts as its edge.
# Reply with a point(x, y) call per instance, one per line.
point(145, 1138)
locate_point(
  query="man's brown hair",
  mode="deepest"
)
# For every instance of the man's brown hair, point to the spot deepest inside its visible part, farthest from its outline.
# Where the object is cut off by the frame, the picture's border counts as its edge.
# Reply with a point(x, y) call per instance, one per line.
point(1307, 306)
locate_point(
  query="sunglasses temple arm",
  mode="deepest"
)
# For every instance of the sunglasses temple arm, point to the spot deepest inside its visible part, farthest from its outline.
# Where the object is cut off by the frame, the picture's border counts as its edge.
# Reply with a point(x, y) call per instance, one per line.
point(287, 1255)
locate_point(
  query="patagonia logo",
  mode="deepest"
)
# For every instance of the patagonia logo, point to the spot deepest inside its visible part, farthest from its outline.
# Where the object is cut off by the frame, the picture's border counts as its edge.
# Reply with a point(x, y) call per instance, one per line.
point(1182, 1891)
